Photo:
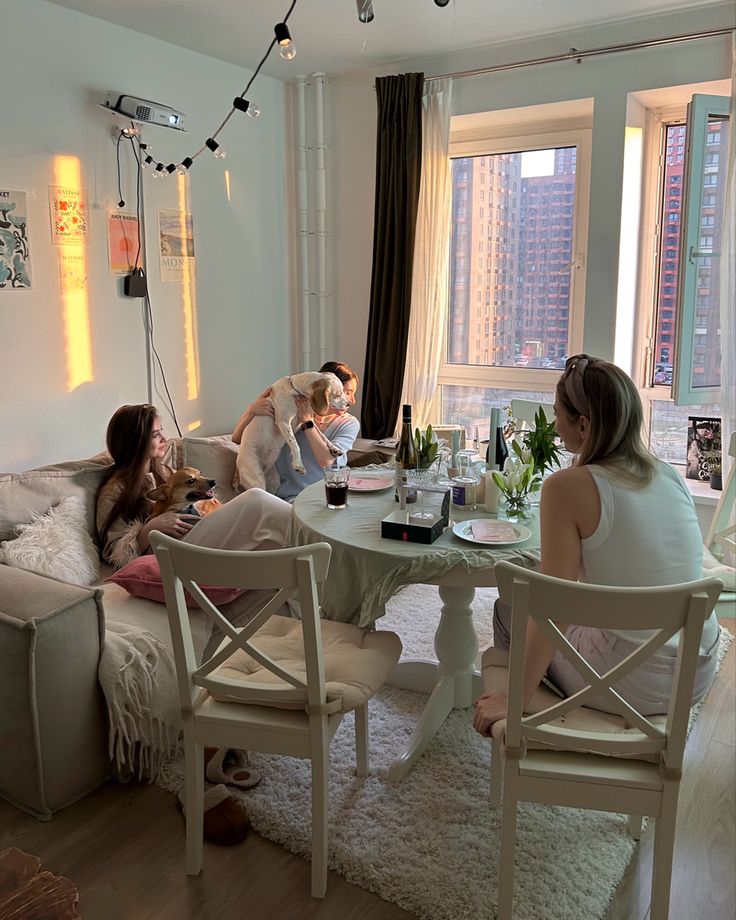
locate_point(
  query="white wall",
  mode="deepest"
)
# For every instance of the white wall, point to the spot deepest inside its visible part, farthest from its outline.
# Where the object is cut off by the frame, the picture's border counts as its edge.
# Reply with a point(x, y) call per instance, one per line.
point(57, 65)
point(606, 79)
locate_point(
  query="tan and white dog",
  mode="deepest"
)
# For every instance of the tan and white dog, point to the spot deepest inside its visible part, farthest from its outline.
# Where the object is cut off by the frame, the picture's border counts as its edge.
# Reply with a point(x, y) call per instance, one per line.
point(264, 437)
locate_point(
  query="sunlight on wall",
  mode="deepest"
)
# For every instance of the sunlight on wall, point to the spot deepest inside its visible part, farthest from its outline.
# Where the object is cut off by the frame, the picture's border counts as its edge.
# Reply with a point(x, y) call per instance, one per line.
point(192, 425)
point(623, 351)
point(227, 186)
point(75, 301)
point(191, 351)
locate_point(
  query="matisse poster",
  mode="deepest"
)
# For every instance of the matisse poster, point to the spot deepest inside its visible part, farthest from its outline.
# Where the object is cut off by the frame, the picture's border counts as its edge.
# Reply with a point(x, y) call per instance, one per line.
point(176, 245)
point(122, 242)
point(72, 269)
point(15, 253)
point(69, 215)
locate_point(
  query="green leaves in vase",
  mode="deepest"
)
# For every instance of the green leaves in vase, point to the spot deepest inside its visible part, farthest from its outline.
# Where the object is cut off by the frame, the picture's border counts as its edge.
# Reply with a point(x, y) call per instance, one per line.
point(541, 442)
point(427, 448)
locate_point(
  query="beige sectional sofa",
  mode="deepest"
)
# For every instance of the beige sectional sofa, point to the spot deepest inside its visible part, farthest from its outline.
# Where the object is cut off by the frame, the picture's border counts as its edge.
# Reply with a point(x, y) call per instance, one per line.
point(53, 723)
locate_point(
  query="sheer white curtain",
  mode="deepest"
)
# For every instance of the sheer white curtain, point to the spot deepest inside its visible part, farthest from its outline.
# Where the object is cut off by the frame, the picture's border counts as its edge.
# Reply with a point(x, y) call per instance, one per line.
point(728, 282)
point(431, 255)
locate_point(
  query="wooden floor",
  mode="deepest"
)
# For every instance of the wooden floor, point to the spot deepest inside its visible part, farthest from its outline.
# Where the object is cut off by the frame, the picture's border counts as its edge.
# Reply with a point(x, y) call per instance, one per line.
point(123, 847)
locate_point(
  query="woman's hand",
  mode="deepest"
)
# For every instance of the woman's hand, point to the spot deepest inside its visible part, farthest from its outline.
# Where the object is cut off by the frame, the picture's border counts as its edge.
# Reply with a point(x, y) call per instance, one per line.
point(171, 523)
point(304, 410)
point(261, 405)
point(489, 708)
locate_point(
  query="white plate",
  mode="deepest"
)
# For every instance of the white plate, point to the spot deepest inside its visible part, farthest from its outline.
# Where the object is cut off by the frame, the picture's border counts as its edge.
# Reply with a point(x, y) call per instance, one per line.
point(368, 484)
point(463, 529)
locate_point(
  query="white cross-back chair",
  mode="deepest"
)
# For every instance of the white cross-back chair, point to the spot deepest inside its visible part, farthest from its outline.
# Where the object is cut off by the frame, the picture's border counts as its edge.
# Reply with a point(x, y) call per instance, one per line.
point(278, 685)
point(524, 410)
point(720, 542)
point(561, 754)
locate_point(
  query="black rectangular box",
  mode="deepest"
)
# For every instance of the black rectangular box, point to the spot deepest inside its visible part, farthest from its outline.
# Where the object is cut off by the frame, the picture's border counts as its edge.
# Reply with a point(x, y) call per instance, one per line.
point(397, 526)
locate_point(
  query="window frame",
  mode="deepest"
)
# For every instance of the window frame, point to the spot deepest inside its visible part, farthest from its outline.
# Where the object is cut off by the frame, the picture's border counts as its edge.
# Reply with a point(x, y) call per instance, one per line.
point(699, 111)
point(497, 140)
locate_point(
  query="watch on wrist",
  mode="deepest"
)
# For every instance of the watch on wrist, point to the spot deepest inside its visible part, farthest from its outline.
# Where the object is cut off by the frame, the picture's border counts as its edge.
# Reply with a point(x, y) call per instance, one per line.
point(308, 424)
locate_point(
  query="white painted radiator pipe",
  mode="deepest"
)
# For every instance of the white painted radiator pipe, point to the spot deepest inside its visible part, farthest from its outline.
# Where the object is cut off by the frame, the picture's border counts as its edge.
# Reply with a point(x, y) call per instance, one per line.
point(321, 212)
point(303, 203)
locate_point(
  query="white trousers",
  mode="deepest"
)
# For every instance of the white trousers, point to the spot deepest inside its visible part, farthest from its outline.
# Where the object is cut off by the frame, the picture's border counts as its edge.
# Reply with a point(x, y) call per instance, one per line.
point(252, 520)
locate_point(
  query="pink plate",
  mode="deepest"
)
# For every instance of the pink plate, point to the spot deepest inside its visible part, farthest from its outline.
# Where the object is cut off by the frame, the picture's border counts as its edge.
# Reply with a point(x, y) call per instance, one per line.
point(364, 484)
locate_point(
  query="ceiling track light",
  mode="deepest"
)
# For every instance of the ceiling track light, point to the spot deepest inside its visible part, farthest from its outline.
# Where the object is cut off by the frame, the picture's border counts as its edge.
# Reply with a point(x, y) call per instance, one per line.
point(441, 2)
point(365, 10)
point(250, 108)
point(286, 45)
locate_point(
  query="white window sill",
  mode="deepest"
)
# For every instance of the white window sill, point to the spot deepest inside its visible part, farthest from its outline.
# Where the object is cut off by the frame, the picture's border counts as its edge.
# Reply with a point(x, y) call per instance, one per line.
point(701, 491)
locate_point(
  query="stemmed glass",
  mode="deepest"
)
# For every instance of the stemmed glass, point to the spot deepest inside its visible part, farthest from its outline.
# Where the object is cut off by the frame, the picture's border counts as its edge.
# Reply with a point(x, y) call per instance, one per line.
point(420, 479)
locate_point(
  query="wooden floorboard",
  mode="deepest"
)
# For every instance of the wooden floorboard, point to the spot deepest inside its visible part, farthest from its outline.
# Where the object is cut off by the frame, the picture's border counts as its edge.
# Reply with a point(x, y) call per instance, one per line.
point(123, 847)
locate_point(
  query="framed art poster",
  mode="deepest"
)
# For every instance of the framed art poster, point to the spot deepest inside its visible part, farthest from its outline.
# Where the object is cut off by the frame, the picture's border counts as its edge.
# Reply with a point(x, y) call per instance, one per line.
point(15, 253)
point(176, 245)
point(122, 242)
point(68, 207)
point(703, 447)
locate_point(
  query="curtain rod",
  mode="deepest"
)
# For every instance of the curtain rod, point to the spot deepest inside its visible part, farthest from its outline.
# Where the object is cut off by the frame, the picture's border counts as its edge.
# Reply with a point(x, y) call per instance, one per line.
point(575, 55)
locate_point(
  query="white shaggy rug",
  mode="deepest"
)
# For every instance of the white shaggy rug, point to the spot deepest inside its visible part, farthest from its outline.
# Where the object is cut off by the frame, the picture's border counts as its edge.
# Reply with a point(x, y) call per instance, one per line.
point(431, 843)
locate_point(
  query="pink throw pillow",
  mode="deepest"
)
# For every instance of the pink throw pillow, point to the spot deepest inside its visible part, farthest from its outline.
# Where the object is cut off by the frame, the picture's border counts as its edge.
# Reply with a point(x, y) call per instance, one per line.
point(142, 578)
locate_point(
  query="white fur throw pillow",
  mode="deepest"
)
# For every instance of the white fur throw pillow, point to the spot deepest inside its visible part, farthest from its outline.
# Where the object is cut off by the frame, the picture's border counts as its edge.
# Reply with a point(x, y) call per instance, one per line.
point(56, 543)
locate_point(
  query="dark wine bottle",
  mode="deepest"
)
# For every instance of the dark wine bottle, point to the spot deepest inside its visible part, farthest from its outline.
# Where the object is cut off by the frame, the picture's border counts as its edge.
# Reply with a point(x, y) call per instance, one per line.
point(497, 451)
point(406, 454)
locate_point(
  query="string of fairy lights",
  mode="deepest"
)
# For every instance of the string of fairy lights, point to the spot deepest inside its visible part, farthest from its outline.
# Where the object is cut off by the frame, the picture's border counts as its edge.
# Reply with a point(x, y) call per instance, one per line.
point(287, 50)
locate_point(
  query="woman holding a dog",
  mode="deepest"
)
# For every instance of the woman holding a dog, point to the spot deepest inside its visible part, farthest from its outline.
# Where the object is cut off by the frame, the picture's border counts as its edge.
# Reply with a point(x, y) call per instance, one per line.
point(339, 427)
point(136, 442)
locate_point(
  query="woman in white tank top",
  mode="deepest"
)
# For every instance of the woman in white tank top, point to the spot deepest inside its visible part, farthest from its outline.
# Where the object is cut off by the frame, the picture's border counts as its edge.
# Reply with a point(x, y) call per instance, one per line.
point(618, 516)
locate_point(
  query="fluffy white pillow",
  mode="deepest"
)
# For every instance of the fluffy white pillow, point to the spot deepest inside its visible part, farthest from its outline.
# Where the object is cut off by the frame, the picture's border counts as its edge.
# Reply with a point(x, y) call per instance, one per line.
point(56, 543)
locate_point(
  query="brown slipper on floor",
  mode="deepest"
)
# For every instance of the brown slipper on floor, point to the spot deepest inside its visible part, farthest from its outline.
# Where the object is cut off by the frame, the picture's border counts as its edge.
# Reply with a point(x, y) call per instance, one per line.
point(225, 821)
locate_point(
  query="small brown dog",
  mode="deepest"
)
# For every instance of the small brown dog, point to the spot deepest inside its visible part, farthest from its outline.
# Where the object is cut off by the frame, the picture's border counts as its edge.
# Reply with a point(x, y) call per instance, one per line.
point(187, 492)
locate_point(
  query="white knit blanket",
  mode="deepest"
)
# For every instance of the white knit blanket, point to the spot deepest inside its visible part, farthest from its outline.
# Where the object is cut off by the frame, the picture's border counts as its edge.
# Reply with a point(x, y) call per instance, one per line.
point(138, 678)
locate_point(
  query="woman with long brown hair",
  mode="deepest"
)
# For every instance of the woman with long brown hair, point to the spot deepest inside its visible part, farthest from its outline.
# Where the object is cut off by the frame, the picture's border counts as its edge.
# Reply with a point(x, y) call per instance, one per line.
point(137, 445)
point(617, 516)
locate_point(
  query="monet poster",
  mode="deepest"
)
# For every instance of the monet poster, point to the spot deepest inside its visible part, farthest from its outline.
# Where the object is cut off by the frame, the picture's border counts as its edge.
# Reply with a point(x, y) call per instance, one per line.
point(15, 253)
point(68, 208)
point(176, 245)
point(122, 241)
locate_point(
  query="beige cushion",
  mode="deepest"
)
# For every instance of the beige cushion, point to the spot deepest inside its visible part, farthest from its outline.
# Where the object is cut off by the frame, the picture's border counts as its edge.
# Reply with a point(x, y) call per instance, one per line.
point(215, 458)
point(582, 719)
point(356, 662)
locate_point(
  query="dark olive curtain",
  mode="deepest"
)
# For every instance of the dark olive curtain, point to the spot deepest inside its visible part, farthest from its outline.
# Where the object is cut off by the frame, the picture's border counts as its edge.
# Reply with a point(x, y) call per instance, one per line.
point(398, 173)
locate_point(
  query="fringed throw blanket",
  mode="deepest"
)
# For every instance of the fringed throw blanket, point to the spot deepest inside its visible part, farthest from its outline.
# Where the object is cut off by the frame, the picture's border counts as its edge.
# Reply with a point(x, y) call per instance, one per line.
point(138, 678)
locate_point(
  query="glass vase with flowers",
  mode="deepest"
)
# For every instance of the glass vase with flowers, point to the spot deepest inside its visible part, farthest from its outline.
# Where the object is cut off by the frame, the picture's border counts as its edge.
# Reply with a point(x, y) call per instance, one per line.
point(518, 482)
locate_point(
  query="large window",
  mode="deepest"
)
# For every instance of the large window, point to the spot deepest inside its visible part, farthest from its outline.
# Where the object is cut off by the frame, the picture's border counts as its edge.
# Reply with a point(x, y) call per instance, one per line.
point(684, 334)
point(516, 280)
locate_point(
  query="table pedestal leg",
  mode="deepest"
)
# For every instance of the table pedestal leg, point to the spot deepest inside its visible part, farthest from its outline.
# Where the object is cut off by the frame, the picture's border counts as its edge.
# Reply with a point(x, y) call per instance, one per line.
point(451, 681)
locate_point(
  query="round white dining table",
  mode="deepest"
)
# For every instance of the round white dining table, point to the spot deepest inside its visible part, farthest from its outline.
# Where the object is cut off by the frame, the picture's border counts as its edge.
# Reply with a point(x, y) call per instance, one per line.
point(366, 570)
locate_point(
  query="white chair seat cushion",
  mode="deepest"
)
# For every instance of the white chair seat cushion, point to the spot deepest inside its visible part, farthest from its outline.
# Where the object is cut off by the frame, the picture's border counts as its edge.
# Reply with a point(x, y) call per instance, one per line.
point(356, 661)
point(582, 719)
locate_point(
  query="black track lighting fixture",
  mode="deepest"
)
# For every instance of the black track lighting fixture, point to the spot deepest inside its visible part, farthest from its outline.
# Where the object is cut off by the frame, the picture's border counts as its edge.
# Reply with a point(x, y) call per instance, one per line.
point(441, 2)
point(365, 10)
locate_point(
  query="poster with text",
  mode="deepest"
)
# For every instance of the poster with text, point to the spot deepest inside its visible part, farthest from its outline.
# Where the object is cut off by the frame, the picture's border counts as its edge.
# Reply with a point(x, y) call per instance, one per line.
point(72, 270)
point(176, 245)
point(122, 241)
point(15, 254)
point(68, 208)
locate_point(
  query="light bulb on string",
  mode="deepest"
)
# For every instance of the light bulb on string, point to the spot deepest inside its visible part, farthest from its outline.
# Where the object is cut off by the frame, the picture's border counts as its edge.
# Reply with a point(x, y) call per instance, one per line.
point(217, 152)
point(250, 108)
point(183, 167)
point(287, 50)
